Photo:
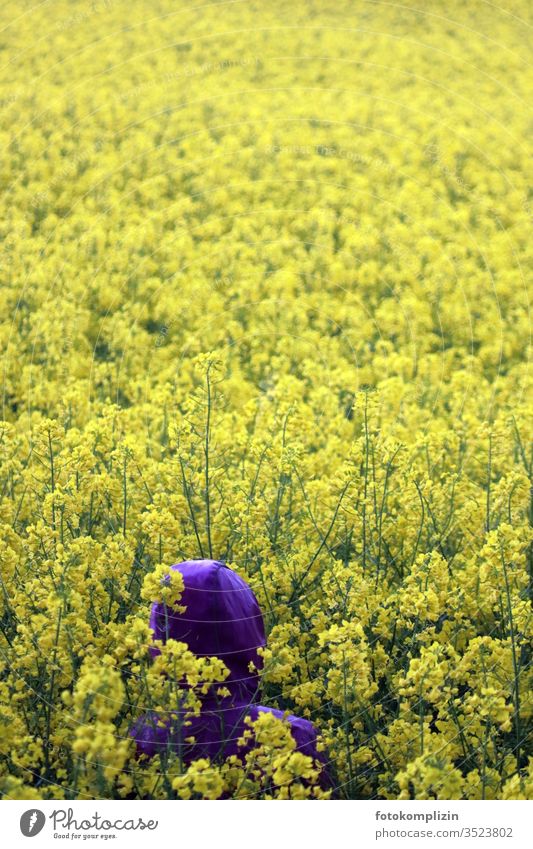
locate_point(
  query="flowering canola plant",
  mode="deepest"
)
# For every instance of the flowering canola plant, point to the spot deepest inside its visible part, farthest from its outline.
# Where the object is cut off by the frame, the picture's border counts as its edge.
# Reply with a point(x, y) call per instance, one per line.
point(265, 299)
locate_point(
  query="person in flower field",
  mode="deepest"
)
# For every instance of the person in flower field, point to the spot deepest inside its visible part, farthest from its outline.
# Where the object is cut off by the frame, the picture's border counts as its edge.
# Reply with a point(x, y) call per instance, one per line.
point(222, 619)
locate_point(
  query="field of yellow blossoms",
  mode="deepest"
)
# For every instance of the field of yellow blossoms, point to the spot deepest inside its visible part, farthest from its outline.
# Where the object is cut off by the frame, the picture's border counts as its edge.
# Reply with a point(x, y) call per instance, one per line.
point(264, 298)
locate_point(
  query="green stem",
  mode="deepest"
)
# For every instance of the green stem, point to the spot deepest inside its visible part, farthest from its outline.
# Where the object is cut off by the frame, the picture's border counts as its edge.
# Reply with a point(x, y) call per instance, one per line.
point(206, 449)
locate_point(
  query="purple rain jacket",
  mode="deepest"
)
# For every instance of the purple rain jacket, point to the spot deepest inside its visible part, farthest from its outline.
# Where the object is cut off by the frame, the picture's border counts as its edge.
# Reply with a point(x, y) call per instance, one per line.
point(222, 619)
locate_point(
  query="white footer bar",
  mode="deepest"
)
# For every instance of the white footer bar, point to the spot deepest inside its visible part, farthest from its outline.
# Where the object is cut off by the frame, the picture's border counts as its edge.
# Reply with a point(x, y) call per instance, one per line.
point(252, 825)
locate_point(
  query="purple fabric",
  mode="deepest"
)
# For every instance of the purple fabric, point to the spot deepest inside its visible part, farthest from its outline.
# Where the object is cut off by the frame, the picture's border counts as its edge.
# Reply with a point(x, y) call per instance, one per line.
point(216, 732)
point(222, 619)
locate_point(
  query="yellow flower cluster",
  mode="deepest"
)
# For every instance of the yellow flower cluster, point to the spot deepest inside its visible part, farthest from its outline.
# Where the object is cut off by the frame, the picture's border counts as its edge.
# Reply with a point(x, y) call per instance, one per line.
point(265, 299)
point(272, 769)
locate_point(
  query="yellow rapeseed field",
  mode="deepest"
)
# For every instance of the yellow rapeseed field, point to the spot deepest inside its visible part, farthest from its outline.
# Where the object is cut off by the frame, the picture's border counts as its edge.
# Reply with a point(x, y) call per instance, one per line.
point(264, 299)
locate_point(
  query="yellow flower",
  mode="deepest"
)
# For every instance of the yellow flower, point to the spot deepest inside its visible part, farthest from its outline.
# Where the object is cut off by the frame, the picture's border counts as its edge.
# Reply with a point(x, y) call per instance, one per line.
point(273, 312)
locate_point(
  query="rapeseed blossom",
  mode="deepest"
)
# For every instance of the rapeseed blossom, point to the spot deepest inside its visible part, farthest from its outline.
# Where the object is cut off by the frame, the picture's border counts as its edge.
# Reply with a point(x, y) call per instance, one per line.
point(265, 300)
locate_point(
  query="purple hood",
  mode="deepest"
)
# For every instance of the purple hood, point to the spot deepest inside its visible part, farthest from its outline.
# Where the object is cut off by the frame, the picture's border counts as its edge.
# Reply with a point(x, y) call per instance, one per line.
point(222, 619)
